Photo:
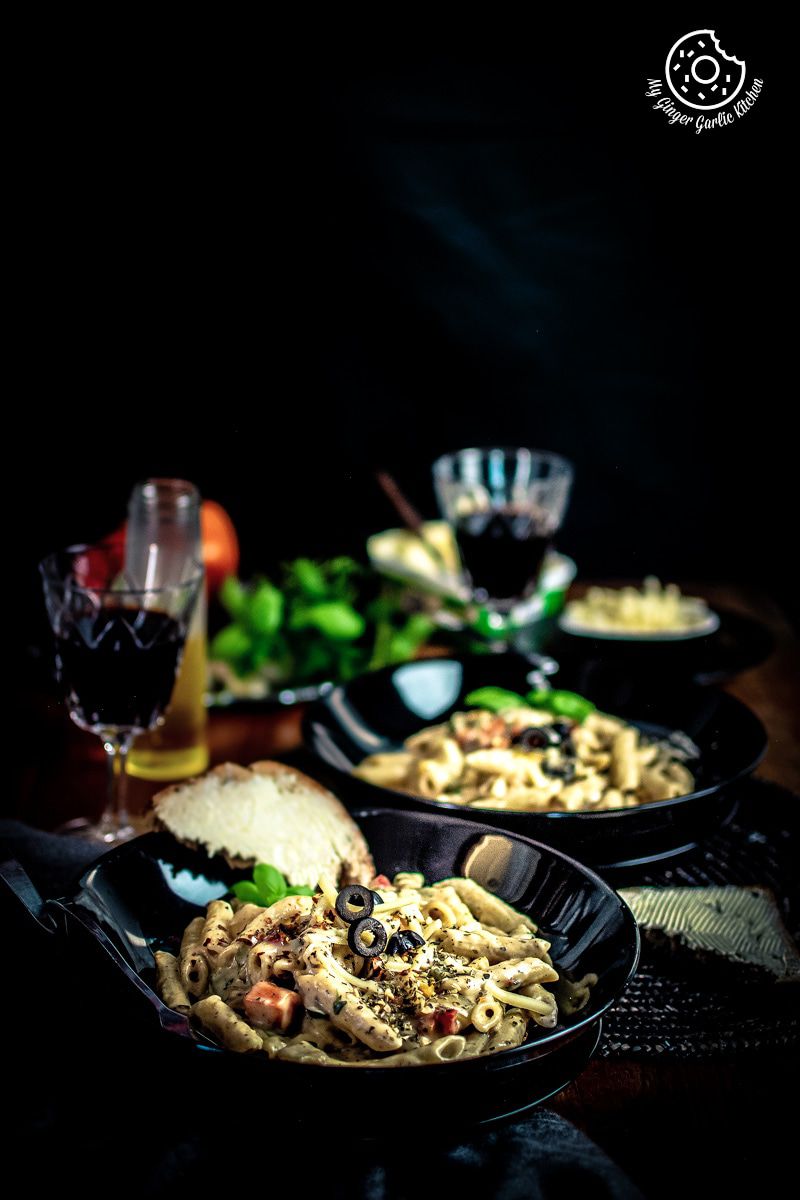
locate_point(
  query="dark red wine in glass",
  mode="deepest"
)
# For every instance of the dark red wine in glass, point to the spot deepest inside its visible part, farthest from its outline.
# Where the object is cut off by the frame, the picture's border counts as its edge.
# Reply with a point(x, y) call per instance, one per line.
point(117, 651)
point(117, 666)
point(503, 551)
point(505, 504)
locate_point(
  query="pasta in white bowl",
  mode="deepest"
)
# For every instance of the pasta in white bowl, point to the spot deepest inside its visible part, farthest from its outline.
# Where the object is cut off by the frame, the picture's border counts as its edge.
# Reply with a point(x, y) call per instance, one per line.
point(652, 613)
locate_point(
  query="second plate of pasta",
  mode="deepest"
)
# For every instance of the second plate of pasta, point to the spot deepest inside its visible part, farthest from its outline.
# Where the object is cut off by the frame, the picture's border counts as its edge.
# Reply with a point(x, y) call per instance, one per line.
point(646, 774)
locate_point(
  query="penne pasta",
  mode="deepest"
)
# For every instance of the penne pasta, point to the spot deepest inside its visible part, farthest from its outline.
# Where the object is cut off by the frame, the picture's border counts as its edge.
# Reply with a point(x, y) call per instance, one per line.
point(528, 760)
point(216, 935)
point(459, 973)
point(222, 1022)
point(168, 982)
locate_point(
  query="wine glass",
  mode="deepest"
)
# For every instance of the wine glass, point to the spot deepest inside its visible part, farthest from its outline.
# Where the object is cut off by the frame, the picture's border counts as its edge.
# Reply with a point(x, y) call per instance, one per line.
point(117, 652)
point(505, 506)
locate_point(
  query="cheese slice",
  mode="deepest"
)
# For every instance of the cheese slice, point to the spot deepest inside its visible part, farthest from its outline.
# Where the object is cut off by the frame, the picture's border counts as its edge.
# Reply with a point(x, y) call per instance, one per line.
point(741, 925)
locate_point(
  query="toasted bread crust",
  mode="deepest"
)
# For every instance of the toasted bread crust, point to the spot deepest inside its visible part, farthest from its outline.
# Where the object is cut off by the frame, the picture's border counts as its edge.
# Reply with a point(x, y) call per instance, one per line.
point(358, 868)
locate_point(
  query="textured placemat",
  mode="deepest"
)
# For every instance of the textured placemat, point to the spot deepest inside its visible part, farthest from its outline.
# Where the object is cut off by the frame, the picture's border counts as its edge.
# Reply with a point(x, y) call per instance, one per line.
point(671, 1010)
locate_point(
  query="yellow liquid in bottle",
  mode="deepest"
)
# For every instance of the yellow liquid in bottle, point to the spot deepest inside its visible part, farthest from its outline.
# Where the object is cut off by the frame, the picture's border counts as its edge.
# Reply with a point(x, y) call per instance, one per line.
point(177, 749)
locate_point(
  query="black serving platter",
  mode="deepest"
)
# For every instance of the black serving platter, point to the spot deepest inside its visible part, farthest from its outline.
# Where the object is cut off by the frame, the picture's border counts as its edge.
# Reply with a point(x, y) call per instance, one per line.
point(376, 712)
point(140, 896)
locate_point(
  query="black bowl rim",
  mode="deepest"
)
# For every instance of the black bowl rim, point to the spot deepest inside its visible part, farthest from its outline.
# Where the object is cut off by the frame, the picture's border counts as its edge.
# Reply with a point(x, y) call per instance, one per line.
point(614, 814)
point(551, 1040)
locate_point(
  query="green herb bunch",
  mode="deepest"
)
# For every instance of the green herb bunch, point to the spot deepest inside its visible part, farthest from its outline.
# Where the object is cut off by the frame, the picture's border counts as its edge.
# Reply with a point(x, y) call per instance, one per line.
point(321, 620)
point(557, 701)
point(267, 887)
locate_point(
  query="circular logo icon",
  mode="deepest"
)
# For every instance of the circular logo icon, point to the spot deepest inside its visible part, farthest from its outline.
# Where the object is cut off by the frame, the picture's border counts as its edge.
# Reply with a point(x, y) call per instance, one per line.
point(699, 72)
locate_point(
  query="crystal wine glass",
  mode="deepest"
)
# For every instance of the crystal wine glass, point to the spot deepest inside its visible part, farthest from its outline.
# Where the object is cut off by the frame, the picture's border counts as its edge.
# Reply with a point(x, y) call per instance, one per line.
point(505, 506)
point(117, 653)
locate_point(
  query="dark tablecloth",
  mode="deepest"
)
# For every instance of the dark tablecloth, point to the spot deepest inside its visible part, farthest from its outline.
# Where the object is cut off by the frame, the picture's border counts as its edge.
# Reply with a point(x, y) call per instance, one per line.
point(93, 1106)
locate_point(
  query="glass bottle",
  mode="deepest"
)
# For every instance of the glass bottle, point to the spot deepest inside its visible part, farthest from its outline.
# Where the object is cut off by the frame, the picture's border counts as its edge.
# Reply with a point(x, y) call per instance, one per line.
point(166, 513)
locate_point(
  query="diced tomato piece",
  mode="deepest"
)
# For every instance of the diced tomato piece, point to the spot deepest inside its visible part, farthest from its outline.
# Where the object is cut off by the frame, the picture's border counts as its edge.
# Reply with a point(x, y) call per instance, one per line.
point(270, 1006)
point(380, 881)
point(447, 1021)
point(440, 1022)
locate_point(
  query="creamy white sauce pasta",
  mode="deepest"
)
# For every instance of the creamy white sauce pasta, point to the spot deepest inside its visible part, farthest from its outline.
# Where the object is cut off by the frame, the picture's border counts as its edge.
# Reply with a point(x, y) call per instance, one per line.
point(527, 760)
point(461, 973)
point(653, 609)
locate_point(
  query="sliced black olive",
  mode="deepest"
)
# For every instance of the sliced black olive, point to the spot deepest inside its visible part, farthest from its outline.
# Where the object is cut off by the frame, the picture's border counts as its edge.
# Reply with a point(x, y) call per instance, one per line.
point(354, 902)
point(355, 937)
point(562, 729)
point(405, 940)
point(565, 771)
point(377, 897)
point(534, 738)
point(397, 944)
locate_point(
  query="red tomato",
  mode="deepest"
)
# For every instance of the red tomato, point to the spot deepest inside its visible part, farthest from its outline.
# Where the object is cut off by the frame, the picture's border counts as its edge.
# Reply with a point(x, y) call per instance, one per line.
point(270, 1006)
point(380, 881)
point(98, 566)
point(440, 1021)
point(220, 544)
point(447, 1021)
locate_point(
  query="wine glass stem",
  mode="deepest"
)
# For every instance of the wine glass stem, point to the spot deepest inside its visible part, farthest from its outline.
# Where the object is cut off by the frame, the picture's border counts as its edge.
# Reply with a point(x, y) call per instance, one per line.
point(115, 817)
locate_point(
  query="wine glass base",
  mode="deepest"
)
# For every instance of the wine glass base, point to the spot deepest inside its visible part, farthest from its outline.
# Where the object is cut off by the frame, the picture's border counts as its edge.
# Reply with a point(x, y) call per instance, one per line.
point(97, 831)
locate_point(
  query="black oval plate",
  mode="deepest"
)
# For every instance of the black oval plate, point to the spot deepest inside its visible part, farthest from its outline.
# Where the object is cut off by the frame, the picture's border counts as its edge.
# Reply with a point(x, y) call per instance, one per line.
point(141, 895)
point(376, 712)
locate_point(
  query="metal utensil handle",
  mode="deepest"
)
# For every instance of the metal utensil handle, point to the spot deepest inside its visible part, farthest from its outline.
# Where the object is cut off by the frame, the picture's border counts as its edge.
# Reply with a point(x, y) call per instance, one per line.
point(16, 883)
point(169, 1020)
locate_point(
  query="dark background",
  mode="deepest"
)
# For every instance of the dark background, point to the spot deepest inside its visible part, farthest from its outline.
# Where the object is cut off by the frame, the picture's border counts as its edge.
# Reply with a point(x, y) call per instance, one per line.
point(273, 274)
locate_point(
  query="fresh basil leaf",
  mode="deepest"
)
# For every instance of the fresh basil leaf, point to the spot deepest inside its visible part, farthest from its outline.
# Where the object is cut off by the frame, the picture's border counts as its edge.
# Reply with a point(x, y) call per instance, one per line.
point(562, 703)
point(343, 564)
point(231, 644)
point(570, 704)
point(233, 596)
point(303, 890)
point(265, 609)
point(495, 699)
point(269, 881)
point(247, 892)
point(335, 619)
point(310, 578)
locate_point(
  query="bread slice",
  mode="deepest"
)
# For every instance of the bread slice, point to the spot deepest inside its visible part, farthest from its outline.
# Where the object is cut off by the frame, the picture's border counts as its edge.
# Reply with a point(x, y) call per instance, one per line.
point(268, 813)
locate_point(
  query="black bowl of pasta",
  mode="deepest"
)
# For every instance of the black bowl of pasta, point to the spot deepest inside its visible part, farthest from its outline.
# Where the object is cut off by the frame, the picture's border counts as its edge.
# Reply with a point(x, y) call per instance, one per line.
point(391, 736)
point(134, 904)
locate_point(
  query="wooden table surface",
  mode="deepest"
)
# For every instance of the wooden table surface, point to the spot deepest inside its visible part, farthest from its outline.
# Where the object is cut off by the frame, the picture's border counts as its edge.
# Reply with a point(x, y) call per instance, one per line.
point(665, 1122)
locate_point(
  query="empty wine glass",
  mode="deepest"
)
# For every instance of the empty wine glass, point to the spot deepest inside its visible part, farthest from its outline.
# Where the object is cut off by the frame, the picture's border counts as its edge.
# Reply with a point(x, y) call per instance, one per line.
point(505, 506)
point(117, 653)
